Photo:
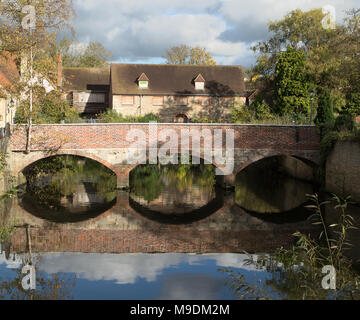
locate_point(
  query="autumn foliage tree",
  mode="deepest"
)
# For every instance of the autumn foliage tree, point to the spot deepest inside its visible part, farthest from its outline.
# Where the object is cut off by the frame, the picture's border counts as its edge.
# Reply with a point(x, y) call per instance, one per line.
point(28, 31)
point(92, 55)
point(184, 54)
point(332, 53)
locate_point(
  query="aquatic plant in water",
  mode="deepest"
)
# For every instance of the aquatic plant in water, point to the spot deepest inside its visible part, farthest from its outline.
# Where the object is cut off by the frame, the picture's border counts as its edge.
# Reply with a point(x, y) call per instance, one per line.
point(297, 273)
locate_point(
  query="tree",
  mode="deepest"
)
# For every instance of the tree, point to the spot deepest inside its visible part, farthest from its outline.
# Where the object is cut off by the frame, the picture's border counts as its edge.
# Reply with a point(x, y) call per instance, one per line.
point(49, 108)
point(28, 32)
point(184, 54)
point(297, 30)
point(261, 109)
point(332, 53)
point(353, 103)
point(350, 71)
point(325, 110)
point(291, 95)
point(23, 29)
point(94, 55)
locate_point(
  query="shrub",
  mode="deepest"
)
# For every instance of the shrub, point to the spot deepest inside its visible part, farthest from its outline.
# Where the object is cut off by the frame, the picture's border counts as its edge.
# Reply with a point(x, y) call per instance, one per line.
point(353, 104)
point(261, 109)
point(50, 108)
point(242, 115)
point(111, 116)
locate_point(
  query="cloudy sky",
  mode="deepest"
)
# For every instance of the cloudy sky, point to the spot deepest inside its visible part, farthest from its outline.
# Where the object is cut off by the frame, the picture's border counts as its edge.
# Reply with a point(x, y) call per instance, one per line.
point(139, 31)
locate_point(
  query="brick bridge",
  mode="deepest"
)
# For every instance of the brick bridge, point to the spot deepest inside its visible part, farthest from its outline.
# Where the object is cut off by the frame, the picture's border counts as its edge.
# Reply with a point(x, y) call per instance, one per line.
point(107, 144)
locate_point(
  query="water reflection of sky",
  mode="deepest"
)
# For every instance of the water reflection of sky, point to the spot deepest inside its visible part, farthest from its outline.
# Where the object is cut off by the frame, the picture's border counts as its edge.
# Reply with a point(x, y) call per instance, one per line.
point(142, 276)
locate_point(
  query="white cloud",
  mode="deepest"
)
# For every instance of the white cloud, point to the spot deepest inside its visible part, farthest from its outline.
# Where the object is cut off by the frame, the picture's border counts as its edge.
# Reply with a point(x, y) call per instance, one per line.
point(127, 268)
point(144, 29)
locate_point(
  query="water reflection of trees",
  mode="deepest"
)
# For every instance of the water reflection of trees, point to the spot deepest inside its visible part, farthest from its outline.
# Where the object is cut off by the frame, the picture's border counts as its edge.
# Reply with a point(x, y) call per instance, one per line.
point(148, 181)
point(57, 286)
point(264, 188)
point(297, 273)
point(51, 180)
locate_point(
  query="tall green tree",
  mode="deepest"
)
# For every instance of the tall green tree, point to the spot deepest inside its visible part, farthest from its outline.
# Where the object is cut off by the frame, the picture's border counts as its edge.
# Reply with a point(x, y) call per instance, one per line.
point(325, 110)
point(322, 46)
point(349, 46)
point(291, 83)
point(184, 54)
point(297, 30)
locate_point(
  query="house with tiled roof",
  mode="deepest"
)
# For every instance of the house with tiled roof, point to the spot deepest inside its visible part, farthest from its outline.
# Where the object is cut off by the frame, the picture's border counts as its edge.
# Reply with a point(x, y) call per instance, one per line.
point(176, 93)
point(87, 89)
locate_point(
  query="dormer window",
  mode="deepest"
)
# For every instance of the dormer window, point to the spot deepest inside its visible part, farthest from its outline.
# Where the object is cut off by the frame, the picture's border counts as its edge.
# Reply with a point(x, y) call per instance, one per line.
point(199, 82)
point(143, 81)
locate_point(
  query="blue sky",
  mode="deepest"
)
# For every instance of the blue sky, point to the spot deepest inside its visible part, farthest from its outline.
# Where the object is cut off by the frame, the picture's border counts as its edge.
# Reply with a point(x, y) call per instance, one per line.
point(139, 31)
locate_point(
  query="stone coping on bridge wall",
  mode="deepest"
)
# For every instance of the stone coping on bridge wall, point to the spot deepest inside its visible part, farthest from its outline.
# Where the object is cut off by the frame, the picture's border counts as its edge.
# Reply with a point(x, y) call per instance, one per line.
point(172, 124)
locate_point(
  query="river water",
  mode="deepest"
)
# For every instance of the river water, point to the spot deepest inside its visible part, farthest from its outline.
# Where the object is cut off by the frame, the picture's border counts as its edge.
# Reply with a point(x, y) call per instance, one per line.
point(174, 235)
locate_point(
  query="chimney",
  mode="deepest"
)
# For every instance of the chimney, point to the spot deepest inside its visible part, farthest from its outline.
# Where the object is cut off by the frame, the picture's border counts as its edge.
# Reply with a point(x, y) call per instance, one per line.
point(59, 71)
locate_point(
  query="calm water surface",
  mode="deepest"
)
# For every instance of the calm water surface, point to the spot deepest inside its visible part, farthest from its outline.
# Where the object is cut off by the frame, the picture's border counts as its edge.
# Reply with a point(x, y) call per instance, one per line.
point(170, 236)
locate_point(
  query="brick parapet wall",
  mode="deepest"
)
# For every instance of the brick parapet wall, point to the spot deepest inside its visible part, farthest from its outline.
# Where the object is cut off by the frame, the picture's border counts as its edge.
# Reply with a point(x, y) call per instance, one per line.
point(113, 136)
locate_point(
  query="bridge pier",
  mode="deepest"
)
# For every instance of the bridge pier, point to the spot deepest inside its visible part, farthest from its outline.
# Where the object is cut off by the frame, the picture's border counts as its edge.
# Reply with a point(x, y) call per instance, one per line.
point(122, 181)
point(227, 182)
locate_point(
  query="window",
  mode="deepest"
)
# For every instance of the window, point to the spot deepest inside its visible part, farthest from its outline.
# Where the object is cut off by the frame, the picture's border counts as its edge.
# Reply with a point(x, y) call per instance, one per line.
point(87, 97)
point(158, 101)
point(143, 84)
point(181, 101)
point(143, 81)
point(199, 82)
point(199, 85)
point(129, 100)
point(97, 98)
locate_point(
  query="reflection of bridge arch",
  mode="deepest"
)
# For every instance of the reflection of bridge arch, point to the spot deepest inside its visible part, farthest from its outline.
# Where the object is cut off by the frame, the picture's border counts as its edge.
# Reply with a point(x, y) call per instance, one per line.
point(64, 217)
point(180, 219)
point(298, 214)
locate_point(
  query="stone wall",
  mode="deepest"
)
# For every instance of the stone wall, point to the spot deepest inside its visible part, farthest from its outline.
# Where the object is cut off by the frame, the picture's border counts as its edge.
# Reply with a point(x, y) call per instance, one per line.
point(168, 107)
point(296, 168)
point(343, 170)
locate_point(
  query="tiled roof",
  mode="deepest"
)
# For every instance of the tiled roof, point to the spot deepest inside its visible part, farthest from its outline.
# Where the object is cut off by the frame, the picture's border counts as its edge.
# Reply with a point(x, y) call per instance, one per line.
point(79, 79)
point(177, 79)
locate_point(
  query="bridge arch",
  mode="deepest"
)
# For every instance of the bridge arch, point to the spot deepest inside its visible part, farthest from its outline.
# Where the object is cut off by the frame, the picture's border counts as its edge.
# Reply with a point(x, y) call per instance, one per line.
point(35, 157)
point(308, 160)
